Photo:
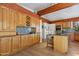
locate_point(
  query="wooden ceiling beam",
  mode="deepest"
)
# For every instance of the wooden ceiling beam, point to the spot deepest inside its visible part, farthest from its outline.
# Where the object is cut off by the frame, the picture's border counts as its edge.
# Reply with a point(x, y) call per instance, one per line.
point(45, 20)
point(54, 8)
point(74, 19)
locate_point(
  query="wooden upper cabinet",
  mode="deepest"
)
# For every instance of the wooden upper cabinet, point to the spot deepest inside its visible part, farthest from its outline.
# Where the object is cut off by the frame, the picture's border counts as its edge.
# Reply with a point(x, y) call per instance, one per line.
point(13, 18)
point(24, 20)
point(32, 22)
point(4, 19)
point(5, 45)
point(7, 19)
point(10, 19)
point(38, 21)
point(37, 25)
point(1, 18)
point(66, 25)
point(21, 20)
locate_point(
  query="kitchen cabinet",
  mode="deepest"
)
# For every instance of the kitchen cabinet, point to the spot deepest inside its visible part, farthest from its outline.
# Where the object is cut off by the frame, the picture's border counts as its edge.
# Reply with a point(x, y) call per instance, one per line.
point(0, 18)
point(36, 38)
point(66, 25)
point(16, 44)
point(37, 25)
point(32, 22)
point(71, 36)
point(76, 36)
point(22, 19)
point(4, 19)
point(8, 19)
point(61, 43)
point(24, 41)
point(13, 19)
point(30, 39)
point(5, 45)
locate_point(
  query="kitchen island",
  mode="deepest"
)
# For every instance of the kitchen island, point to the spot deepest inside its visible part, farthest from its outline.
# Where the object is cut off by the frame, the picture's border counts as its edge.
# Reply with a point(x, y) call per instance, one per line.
point(61, 43)
point(11, 44)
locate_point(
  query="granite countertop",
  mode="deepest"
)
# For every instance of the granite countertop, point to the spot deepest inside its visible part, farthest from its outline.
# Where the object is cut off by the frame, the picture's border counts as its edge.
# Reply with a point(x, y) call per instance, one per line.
point(65, 34)
point(7, 36)
point(14, 35)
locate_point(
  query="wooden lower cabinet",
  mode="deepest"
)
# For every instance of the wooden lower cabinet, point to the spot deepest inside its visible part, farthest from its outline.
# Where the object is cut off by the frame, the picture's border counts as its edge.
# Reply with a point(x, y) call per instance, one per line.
point(5, 45)
point(15, 44)
point(61, 43)
point(24, 41)
point(11, 44)
point(36, 38)
point(76, 36)
point(30, 40)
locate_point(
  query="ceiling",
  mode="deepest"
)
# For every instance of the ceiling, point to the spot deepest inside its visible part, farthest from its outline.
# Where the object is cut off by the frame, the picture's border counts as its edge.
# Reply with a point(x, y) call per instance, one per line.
point(36, 6)
point(69, 12)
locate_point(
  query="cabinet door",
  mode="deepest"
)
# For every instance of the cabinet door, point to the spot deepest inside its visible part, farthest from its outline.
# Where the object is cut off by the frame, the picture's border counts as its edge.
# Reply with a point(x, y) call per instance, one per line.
point(36, 38)
point(0, 18)
point(6, 19)
point(12, 20)
point(61, 44)
point(32, 22)
point(66, 25)
point(30, 40)
point(24, 41)
point(5, 45)
point(21, 20)
point(15, 44)
point(76, 36)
